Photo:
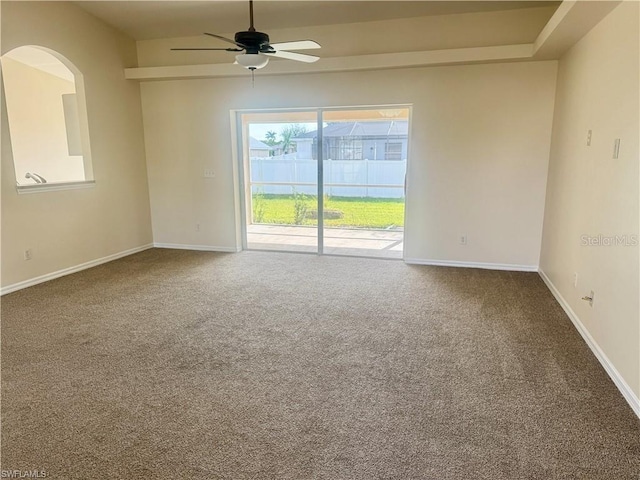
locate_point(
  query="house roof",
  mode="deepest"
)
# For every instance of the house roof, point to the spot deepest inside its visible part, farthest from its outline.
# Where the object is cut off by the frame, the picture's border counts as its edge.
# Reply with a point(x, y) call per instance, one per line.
point(363, 129)
point(255, 144)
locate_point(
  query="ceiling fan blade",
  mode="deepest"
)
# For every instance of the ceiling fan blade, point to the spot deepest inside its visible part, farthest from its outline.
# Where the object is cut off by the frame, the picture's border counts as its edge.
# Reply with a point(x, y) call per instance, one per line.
point(298, 57)
point(299, 45)
point(225, 39)
point(224, 49)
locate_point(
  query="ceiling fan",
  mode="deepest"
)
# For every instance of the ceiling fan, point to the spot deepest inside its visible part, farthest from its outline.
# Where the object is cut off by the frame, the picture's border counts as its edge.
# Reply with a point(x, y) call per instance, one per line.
point(257, 49)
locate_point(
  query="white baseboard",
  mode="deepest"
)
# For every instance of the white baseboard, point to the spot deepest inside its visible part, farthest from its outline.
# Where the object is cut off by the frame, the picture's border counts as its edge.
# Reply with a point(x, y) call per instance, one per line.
point(67, 271)
point(203, 248)
point(627, 393)
point(486, 266)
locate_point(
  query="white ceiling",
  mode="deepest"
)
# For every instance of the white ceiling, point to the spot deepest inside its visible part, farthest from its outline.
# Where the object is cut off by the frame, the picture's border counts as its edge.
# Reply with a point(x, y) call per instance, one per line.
point(151, 19)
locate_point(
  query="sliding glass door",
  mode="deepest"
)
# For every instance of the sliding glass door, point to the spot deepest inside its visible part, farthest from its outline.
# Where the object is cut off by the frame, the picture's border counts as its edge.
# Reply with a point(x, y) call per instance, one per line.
point(280, 181)
point(358, 184)
point(364, 154)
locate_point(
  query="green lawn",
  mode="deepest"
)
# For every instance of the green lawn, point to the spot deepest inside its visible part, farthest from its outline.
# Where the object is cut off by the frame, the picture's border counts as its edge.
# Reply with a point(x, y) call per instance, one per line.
point(354, 212)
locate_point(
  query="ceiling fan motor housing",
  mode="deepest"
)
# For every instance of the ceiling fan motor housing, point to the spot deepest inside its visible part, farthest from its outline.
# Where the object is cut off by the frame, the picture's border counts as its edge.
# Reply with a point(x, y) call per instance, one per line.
point(253, 42)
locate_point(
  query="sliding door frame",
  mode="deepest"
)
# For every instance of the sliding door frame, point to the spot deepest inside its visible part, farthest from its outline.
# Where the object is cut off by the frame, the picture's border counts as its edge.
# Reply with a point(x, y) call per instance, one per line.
point(320, 167)
point(319, 111)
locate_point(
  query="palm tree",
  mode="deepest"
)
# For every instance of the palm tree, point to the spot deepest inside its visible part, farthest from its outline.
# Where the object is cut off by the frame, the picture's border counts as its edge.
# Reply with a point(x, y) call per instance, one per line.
point(270, 138)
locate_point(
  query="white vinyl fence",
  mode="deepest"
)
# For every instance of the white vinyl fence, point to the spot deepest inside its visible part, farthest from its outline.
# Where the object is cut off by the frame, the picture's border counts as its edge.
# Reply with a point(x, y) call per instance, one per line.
point(342, 178)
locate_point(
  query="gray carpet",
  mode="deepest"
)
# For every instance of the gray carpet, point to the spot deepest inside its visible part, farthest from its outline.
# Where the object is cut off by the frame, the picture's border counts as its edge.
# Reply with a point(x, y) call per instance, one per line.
point(188, 365)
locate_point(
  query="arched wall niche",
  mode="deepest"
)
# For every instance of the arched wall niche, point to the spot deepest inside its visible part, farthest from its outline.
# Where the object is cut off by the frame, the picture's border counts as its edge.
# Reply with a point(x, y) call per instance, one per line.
point(47, 115)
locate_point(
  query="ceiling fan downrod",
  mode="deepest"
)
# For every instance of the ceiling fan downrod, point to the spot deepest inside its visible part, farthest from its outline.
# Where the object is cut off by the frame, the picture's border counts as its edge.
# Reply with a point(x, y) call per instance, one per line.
point(251, 28)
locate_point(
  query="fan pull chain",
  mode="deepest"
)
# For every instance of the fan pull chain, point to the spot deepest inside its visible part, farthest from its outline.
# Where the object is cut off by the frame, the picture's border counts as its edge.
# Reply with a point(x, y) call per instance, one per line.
point(253, 78)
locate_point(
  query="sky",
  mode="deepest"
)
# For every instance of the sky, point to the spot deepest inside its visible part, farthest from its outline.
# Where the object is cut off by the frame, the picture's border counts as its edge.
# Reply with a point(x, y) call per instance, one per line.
point(259, 130)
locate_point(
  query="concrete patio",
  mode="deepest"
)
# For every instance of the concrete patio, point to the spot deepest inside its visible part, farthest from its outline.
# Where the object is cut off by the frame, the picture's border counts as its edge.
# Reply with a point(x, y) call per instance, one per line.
point(337, 241)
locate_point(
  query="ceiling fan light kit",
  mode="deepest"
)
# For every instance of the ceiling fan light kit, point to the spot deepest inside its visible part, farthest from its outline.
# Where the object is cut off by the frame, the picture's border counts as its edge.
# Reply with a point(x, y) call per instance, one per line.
point(257, 49)
point(252, 61)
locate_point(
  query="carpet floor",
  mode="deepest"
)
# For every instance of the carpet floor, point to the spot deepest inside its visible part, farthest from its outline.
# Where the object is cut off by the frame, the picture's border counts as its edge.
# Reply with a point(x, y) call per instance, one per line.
point(187, 365)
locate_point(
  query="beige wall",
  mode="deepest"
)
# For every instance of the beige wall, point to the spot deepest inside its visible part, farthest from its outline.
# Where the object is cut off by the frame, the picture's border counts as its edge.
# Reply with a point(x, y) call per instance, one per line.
point(37, 124)
point(68, 228)
point(477, 164)
point(589, 193)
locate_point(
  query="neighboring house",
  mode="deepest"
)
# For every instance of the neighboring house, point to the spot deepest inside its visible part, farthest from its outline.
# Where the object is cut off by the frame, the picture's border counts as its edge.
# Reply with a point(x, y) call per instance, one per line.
point(374, 140)
point(258, 148)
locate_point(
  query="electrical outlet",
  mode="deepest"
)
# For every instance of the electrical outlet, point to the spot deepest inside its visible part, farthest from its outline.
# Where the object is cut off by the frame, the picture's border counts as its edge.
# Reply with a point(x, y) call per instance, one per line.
point(575, 280)
point(28, 254)
point(589, 138)
point(208, 173)
point(197, 227)
point(463, 239)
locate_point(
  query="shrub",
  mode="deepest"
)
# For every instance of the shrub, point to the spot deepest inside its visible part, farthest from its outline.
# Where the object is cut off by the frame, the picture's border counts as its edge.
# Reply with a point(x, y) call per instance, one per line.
point(299, 207)
point(258, 206)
